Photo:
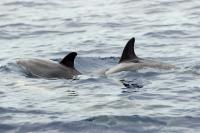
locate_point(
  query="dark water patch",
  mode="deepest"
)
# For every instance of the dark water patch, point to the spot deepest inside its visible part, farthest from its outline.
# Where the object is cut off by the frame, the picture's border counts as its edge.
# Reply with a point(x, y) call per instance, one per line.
point(71, 93)
point(127, 84)
point(131, 86)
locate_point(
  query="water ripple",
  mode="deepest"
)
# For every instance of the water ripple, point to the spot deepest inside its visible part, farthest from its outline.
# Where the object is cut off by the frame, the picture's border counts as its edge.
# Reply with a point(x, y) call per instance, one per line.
point(30, 4)
point(118, 124)
point(14, 110)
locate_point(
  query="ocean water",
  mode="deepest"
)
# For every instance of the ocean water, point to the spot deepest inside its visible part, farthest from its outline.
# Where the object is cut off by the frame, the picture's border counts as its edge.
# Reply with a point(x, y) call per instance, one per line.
point(143, 101)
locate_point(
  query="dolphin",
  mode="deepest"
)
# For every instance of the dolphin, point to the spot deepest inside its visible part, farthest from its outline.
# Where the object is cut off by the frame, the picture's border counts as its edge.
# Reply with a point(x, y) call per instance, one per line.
point(49, 69)
point(130, 61)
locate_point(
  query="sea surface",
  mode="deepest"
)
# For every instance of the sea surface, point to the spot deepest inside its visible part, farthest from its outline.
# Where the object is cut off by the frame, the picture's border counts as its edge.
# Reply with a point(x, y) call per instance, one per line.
point(142, 101)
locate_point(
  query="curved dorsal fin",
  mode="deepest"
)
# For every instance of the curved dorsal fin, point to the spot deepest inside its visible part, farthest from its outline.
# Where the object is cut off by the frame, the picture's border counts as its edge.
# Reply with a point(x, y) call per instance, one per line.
point(128, 52)
point(68, 60)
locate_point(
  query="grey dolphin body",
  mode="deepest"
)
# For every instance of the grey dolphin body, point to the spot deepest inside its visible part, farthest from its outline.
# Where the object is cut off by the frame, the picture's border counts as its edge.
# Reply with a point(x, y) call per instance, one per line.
point(49, 69)
point(129, 61)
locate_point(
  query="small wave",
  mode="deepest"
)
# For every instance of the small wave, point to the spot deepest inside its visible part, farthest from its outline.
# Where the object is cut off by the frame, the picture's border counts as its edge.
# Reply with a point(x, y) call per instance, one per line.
point(108, 124)
point(156, 11)
point(78, 24)
point(3, 15)
point(29, 4)
point(6, 127)
point(129, 1)
point(14, 110)
point(12, 67)
point(8, 36)
point(167, 33)
point(112, 25)
point(47, 32)
point(5, 68)
point(16, 35)
point(11, 25)
point(194, 69)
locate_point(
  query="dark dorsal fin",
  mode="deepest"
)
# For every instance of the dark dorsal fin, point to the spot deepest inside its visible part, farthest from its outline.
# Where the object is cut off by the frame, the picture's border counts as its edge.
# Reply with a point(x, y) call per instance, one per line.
point(128, 52)
point(68, 61)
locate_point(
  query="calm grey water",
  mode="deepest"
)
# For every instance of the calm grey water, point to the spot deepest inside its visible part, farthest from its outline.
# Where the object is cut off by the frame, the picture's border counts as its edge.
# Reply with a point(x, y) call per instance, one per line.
point(144, 101)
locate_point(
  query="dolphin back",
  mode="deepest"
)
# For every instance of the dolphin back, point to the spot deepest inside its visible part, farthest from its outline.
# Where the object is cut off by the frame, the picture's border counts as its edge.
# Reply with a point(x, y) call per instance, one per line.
point(48, 69)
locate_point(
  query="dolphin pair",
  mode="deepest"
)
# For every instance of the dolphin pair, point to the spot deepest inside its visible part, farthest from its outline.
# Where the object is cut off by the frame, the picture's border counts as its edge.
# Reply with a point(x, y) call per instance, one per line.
point(65, 69)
